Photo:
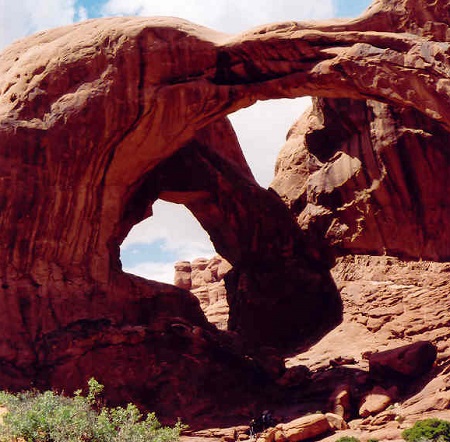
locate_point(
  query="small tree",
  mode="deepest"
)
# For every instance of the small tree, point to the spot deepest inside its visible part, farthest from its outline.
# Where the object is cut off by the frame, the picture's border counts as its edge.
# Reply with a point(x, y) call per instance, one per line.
point(49, 417)
point(432, 430)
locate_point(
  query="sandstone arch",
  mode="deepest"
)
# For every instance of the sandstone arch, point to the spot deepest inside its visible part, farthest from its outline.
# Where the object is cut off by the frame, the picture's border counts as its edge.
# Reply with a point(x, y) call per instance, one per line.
point(96, 118)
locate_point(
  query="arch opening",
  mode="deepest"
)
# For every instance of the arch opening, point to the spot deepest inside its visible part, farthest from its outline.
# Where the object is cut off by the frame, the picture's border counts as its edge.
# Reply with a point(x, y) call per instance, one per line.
point(171, 246)
point(171, 234)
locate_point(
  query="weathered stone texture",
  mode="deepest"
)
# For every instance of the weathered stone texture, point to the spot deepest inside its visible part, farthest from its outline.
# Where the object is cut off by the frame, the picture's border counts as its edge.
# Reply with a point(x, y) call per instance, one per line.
point(100, 119)
point(205, 278)
point(371, 177)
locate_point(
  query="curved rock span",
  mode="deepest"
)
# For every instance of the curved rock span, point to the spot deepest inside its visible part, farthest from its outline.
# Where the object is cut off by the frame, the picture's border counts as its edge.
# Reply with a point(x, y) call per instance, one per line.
point(100, 119)
point(371, 177)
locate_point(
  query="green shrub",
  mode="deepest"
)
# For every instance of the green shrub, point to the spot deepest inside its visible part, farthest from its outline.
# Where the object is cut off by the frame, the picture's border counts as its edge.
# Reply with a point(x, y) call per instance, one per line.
point(348, 439)
point(49, 417)
point(432, 430)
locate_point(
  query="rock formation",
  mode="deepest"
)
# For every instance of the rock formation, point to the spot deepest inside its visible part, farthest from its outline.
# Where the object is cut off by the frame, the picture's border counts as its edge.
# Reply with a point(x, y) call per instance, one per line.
point(371, 177)
point(100, 119)
point(205, 279)
point(373, 181)
point(393, 309)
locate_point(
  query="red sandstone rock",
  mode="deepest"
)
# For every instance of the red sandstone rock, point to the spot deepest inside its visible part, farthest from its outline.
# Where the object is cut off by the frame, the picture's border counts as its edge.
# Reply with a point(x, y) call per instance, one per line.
point(336, 421)
point(377, 400)
point(370, 177)
point(206, 277)
point(98, 119)
point(201, 274)
point(96, 123)
point(388, 303)
point(410, 360)
point(182, 276)
point(340, 401)
point(349, 179)
point(303, 428)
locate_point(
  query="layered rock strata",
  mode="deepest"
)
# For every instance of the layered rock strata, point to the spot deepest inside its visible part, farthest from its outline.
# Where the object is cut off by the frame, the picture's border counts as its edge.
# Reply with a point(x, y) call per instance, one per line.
point(369, 177)
point(375, 370)
point(205, 279)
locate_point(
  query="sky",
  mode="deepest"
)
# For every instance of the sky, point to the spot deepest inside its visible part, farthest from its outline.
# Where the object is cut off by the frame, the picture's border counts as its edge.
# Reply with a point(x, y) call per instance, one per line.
point(172, 233)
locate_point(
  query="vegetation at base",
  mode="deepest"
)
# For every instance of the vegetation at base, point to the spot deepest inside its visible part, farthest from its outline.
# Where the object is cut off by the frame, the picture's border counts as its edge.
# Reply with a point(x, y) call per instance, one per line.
point(428, 430)
point(49, 417)
point(348, 439)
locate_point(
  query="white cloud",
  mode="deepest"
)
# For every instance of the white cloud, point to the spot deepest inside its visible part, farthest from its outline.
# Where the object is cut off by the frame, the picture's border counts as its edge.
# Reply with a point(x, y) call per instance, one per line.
point(21, 18)
point(181, 235)
point(82, 13)
point(225, 15)
point(176, 226)
point(157, 271)
point(262, 130)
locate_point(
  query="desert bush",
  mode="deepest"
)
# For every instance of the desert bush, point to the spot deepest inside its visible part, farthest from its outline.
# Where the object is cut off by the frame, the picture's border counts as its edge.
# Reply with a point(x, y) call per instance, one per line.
point(428, 430)
point(50, 417)
point(348, 439)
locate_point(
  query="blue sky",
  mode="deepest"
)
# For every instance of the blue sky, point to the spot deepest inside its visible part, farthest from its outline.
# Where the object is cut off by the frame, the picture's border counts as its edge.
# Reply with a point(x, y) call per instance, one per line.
point(93, 7)
point(342, 8)
point(346, 8)
point(97, 8)
point(173, 234)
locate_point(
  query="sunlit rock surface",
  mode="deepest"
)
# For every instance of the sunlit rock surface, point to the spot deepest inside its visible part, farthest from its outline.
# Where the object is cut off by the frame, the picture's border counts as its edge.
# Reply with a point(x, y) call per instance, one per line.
point(100, 119)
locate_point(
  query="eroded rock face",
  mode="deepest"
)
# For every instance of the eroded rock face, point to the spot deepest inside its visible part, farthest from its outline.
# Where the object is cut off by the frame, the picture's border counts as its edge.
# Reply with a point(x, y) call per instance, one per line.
point(370, 177)
point(411, 360)
point(409, 303)
point(205, 279)
point(99, 119)
point(408, 307)
point(93, 130)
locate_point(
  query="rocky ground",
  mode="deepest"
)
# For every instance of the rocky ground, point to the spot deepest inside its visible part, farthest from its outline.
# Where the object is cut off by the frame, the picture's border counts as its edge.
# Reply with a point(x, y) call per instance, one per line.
point(388, 304)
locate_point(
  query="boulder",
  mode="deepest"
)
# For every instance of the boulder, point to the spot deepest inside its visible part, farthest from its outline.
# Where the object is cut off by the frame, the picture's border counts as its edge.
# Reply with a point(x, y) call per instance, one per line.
point(410, 360)
point(340, 401)
point(377, 400)
point(336, 421)
point(306, 427)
